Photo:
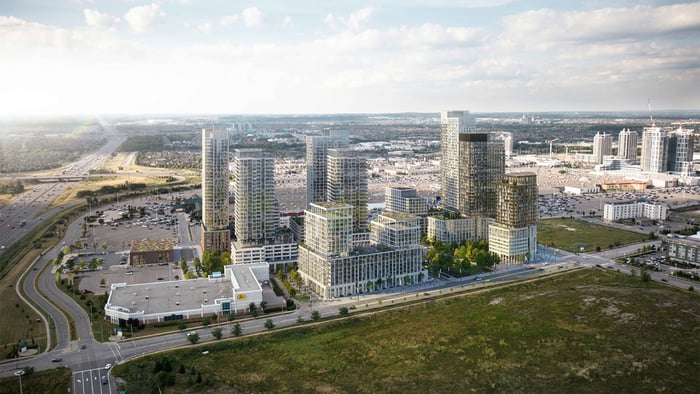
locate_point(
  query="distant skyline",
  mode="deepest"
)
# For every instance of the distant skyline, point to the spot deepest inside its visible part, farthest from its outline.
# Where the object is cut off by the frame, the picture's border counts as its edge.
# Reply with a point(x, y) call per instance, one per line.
point(280, 57)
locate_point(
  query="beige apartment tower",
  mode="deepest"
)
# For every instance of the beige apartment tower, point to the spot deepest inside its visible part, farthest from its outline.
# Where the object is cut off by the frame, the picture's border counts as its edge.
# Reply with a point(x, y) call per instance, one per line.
point(316, 162)
point(347, 184)
point(216, 235)
point(256, 209)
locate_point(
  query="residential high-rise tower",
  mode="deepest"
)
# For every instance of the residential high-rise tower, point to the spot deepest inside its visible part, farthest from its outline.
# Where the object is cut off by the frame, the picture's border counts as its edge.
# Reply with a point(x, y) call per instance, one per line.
point(216, 235)
point(452, 124)
point(347, 184)
point(513, 237)
point(627, 145)
point(316, 162)
point(602, 146)
point(256, 209)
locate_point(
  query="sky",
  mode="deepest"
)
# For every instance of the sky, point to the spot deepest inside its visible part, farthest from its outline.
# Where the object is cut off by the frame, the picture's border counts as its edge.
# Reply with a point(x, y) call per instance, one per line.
point(63, 57)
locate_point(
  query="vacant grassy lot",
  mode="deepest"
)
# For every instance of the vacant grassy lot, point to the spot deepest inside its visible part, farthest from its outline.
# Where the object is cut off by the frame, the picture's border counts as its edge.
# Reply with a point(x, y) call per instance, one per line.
point(54, 381)
point(586, 331)
point(570, 234)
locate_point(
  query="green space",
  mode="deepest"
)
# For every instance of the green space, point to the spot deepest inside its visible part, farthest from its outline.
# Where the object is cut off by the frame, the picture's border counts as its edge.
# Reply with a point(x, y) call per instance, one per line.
point(53, 381)
point(570, 234)
point(584, 331)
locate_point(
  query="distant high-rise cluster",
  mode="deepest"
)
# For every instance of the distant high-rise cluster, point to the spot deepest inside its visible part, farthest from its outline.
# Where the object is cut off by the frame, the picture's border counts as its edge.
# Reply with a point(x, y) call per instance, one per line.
point(216, 235)
point(473, 178)
point(339, 255)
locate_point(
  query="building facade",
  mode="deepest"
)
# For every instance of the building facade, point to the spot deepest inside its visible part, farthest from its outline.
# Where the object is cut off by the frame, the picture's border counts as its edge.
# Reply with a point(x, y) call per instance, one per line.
point(680, 151)
point(513, 236)
point(684, 250)
point(654, 150)
point(347, 184)
point(602, 146)
point(452, 124)
point(316, 162)
point(332, 267)
point(256, 210)
point(481, 165)
point(614, 211)
point(627, 145)
point(216, 235)
point(404, 200)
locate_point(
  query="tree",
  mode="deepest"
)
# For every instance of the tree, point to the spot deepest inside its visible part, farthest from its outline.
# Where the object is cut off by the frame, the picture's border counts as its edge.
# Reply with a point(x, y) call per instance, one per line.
point(206, 322)
point(193, 337)
point(263, 304)
point(216, 333)
point(102, 282)
point(253, 309)
point(315, 315)
point(343, 310)
point(269, 324)
point(236, 330)
point(420, 277)
point(181, 326)
point(300, 319)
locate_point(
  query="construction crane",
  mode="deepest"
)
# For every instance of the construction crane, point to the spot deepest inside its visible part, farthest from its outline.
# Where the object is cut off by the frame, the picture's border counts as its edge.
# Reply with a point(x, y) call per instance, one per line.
point(550, 146)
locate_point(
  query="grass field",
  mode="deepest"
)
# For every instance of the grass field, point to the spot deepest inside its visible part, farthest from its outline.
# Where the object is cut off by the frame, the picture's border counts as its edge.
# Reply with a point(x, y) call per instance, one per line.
point(18, 319)
point(585, 331)
point(54, 381)
point(570, 234)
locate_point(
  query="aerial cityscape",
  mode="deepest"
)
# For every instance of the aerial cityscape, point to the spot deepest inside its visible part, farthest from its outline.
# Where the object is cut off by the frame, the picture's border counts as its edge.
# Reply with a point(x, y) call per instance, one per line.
point(383, 197)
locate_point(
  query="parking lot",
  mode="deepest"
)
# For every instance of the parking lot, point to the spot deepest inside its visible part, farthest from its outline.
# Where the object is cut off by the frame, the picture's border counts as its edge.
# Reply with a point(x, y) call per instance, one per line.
point(157, 222)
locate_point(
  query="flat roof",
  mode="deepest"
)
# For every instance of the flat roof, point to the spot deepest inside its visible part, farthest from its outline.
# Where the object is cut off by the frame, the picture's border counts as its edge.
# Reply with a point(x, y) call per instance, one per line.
point(244, 278)
point(178, 295)
point(148, 245)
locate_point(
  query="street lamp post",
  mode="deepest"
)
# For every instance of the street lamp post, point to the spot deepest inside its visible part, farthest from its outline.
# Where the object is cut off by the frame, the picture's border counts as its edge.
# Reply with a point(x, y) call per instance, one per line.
point(19, 374)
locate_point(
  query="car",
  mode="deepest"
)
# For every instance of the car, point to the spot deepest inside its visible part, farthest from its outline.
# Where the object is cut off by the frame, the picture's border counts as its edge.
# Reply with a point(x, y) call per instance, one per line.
point(56, 360)
point(192, 333)
point(664, 280)
point(104, 380)
point(129, 272)
point(83, 346)
point(108, 366)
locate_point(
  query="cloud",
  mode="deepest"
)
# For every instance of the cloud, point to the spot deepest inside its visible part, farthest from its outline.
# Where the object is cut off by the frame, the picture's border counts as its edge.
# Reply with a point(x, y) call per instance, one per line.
point(229, 20)
point(252, 16)
point(543, 28)
point(204, 27)
point(95, 18)
point(143, 17)
point(287, 20)
point(354, 22)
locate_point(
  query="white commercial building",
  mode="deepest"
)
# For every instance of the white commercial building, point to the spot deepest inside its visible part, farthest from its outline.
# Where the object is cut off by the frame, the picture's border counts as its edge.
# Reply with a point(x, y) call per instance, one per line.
point(614, 211)
point(194, 298)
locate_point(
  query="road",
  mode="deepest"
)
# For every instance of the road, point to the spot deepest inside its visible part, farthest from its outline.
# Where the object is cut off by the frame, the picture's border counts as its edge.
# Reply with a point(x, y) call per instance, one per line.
point(29, 210)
